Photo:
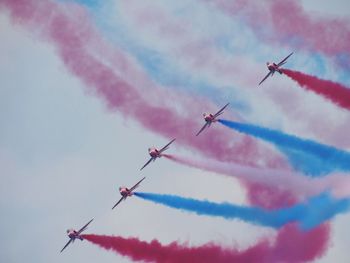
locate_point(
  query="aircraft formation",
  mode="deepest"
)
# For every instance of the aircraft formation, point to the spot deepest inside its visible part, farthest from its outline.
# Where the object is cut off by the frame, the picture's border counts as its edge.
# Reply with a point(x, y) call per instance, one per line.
point(154, 153)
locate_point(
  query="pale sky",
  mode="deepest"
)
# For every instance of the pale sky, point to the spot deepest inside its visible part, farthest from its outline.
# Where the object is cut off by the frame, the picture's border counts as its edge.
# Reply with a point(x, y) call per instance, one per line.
point(63, 155)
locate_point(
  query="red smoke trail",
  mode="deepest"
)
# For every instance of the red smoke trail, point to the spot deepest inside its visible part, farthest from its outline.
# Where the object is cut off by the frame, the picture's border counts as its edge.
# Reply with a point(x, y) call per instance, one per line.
point(289, 19)
point(335, 92)
point(71, 34)
point(160, 116)
point(285, 249)
point(286, 19)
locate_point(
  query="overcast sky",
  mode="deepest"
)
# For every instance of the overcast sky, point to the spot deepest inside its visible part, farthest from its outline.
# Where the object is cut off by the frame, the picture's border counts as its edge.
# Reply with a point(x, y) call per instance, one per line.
point(63, 155)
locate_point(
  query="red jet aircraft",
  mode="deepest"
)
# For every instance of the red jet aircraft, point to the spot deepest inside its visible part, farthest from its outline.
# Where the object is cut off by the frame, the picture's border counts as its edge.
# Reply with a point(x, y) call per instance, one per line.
point(210, 118)
point(155, 153)
point(272, 67)
point(126, 192)
point(73, 234)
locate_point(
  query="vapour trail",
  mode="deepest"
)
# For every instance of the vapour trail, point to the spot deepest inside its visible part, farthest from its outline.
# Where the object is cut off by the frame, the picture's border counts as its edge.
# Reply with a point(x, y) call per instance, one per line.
point(265, 251)
point(101, 80)
point(288, 21)
point(49, 20)
point(308, 215)
point(295, 183)
point(335, 92)
point(336, 158)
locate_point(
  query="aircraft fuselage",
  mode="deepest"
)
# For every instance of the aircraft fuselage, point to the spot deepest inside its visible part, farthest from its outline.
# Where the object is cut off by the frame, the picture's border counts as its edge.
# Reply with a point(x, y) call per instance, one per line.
point(72, 234)
point(273, 67)
point(208, 117)
point(153, 152)
point(125, 192)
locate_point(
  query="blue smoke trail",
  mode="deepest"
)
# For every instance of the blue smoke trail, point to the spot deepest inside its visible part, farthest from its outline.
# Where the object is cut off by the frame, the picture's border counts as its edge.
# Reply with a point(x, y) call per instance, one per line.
point(332, 157)
point(308, 164)
point(87, 3)
point(309, 215)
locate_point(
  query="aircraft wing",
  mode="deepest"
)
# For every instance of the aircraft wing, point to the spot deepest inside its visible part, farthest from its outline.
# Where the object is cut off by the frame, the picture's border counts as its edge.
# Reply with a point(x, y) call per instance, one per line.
point(121, 199)
point(150, 160)
point(205, 126)
point(268, 75)
point(84, 227)
point(137, 184)
point(221, 110)
point(166, 146)
point(284, 60)
point(66, 245)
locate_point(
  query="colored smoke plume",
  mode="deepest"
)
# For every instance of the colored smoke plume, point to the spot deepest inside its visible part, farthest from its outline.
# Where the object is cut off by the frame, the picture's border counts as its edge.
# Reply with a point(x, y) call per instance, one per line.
point(335, 92)
point(283, 250)
point(335, 158)
point(308, 215)
point(295, 183)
